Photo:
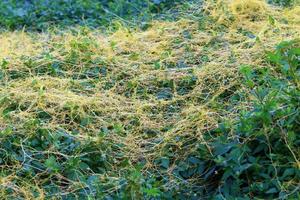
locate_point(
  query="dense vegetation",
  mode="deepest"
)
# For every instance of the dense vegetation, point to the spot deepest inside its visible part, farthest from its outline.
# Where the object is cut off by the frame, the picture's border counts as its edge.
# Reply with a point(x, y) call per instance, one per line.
point(125, 99)
point(42, 14)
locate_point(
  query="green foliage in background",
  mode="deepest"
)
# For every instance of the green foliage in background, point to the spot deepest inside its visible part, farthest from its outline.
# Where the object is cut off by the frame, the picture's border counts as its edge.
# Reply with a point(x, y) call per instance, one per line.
point(283, 2)
point(40, 14)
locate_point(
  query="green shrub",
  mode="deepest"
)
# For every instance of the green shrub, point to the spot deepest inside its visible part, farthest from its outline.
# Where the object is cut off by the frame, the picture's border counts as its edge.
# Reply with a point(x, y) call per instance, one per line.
point(261, 158)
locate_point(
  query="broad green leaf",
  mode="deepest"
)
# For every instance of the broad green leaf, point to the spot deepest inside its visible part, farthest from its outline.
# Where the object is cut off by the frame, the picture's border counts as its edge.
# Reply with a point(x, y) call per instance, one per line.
point(52, 164)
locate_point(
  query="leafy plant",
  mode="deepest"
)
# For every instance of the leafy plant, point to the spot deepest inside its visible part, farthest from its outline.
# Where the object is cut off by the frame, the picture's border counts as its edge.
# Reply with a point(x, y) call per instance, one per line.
point(262, 158)
point(41, 14)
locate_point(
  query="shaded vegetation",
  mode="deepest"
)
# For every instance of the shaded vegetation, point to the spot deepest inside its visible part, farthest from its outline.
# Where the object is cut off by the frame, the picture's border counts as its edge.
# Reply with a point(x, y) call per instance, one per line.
point(42, 14)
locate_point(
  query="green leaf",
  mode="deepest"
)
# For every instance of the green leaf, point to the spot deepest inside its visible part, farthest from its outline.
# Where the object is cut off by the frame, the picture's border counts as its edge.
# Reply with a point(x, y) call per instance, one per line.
point(295, 51)
point(291, 136)
point(6, 131)
point(4, 64)
point(83, 166)
point(271, 191)
point(274, 57)
point(221, 149)
point(271, 20)
point(52, 164)
point(118, 128)
point(246, 71)
point(194, 160)
point(152, 192)
point(227, 174)
point(85, 121)
point(165, 162)
point(288, 172)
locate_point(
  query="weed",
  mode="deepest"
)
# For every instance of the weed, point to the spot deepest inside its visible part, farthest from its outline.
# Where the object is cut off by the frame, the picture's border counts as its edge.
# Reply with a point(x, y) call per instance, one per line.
point(201, 107)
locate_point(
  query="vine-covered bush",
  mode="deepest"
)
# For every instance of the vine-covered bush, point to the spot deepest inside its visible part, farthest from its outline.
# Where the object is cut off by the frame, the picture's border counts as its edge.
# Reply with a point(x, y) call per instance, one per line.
point(261, 158)
point(255, 155)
